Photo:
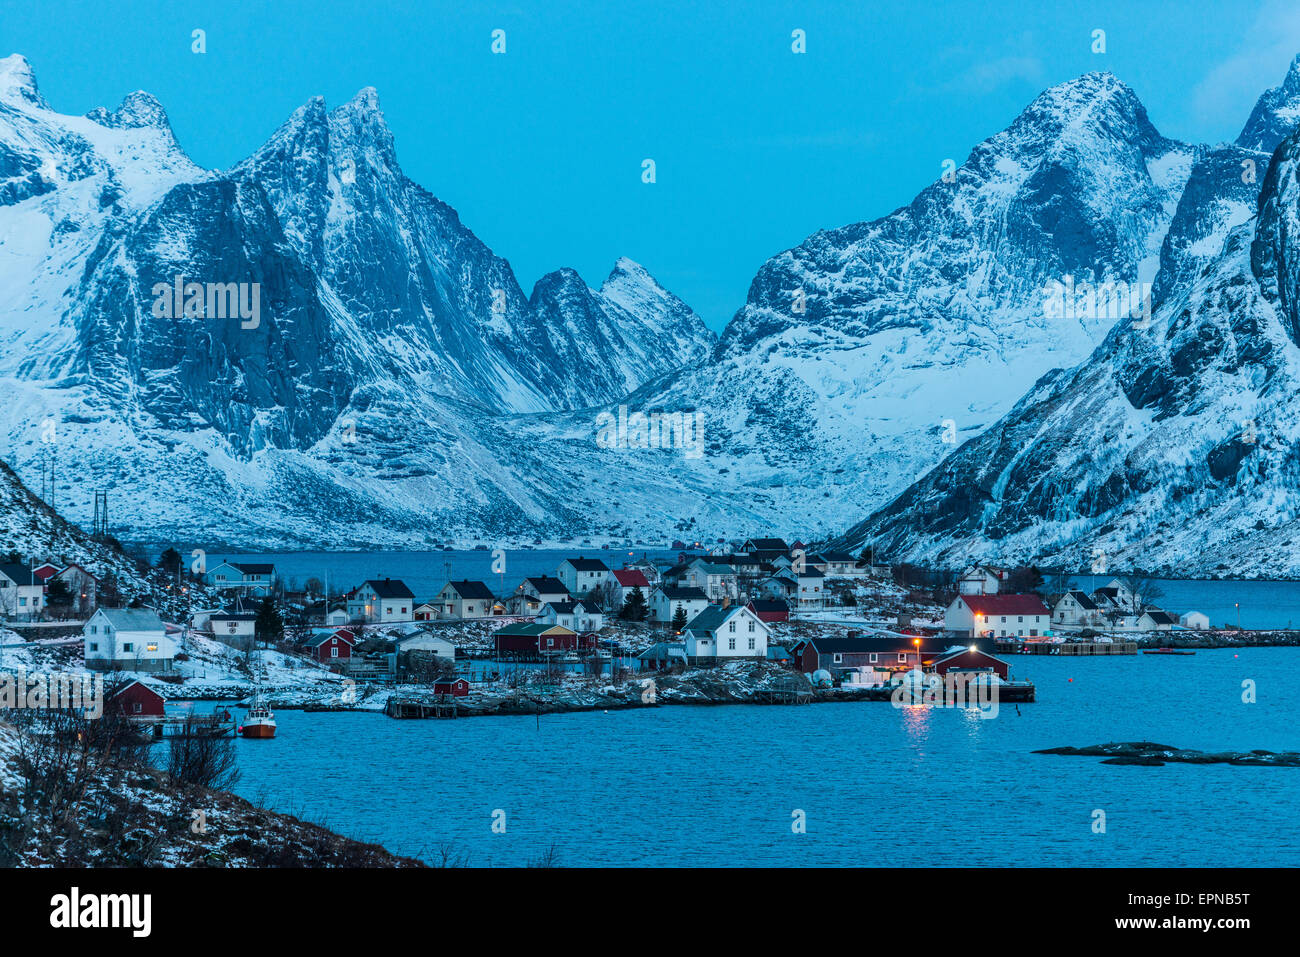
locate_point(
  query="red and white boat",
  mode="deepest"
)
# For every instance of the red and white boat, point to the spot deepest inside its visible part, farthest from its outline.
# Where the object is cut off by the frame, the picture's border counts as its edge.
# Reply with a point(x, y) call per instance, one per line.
point(260, 720)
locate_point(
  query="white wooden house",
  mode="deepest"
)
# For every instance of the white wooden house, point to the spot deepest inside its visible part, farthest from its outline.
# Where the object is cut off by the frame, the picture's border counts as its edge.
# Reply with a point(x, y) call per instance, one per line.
point(666, 599)
point(461, 600)
point(1156, 619)
point(424, 641)
point(1076, 610)
point(22, 593)
point(582, 576)
point(575, 615)
point(84, 586)
point(718, 582)
point(127, 639)
point(379, 601)
point(232, 624)
point(246, 578)
point(982, 580)
point(1195, 620)
point(998, 616)
point(724, 633)
point(629, 580)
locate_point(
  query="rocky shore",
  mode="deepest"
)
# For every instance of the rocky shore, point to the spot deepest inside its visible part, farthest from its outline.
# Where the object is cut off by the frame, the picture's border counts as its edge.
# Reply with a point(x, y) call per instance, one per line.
point(1155, 755)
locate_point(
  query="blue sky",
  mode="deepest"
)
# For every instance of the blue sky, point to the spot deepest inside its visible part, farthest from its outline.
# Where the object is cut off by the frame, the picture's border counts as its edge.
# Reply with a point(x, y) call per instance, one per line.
point(540, 149)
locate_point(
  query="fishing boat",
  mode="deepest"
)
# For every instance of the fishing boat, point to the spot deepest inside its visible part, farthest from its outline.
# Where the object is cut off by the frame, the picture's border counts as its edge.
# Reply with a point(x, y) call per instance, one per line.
point(1167, 651)
point(259, 722)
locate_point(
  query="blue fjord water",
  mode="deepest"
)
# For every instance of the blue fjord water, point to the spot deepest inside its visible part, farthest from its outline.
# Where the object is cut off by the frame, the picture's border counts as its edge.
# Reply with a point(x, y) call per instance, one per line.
point(698, 786)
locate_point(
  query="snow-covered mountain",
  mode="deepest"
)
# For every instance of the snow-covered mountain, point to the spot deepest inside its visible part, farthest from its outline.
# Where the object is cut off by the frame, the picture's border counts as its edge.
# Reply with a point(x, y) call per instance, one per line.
point(866, 353)
point(399, 388)
point(389, 342)
point(1276, 114)
point(1173, 447)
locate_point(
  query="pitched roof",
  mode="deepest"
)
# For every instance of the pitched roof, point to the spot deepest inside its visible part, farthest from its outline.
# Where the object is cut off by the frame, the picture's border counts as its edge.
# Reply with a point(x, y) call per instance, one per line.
point(661, 650)
point(468, 589)
point(1005, 604)
point(682, 594)
point(1083, 600)
point(18, 573)
point(389, 588)
point(768, 604)
point(958, 652)
point(232, 616)
point(587, 564)
point(714, 617)
point(776, 544)
point(710, 568)
point(254, 568)
point(545, 585)
point(532, 630)
point(565, 607)
point(631, 578)
point(342, 634)
point(838, 557)
point(133, 619)
point(1162, 617)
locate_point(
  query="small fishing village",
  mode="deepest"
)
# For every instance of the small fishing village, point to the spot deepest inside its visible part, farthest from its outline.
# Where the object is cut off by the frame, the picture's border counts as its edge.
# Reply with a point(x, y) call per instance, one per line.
point(756, 621)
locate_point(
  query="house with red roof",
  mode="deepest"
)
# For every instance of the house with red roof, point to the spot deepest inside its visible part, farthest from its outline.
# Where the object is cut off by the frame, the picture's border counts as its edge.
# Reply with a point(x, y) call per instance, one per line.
point(998, 616)
point(628, 581)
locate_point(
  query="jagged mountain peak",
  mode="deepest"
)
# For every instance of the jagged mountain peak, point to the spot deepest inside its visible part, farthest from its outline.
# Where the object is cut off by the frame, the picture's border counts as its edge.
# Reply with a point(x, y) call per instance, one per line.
point(18, 81)
point(137, 111)
point(1276, 114)
point(1094, 106)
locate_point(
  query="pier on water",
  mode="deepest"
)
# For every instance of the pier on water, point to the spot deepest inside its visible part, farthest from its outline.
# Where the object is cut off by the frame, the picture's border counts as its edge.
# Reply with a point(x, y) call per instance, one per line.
point(216, 725)
point(1007, 647)
point(405, 707)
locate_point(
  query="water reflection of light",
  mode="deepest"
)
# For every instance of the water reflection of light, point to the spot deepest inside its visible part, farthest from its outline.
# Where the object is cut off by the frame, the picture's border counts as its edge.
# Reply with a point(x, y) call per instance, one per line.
point(916, 721)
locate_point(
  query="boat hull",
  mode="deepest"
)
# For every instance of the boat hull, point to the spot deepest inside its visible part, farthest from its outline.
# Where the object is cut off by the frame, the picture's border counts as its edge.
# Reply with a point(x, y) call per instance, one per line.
point(258, 730)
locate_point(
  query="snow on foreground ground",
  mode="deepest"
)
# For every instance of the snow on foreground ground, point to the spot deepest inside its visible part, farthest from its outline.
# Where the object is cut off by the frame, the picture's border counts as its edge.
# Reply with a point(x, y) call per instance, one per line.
point(211, 669)
point(134, 816)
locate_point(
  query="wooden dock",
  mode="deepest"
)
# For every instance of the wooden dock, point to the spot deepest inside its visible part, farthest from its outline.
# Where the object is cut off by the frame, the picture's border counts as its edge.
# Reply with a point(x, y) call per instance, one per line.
point(187, 725)
point(400, 707)
point(1067, 648)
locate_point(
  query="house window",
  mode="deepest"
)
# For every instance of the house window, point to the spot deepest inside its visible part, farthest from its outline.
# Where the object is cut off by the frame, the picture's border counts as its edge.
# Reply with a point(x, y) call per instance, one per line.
point(837, 658)
point(1004, 619)
point(751, 644)
point(128, 646)
point(873, 658)
point(550, 642)
point(1021, 619)
point(334, 652)
point(137, 707)
point(751, 628)
point(731, 626)
point(152, 646)
point(902, 656)
point(94, 646)
point(731, 644)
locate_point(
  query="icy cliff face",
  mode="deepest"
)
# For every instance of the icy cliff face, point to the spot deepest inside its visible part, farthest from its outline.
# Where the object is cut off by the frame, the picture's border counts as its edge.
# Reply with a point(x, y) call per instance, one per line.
point(1172, 447)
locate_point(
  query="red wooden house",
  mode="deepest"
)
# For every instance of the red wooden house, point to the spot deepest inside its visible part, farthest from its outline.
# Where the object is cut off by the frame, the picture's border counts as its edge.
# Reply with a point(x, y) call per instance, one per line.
point(539, 639)
point(335, 646)
point(135, 700)
point(773, 609)
point(456, 687)
point(971, 659)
